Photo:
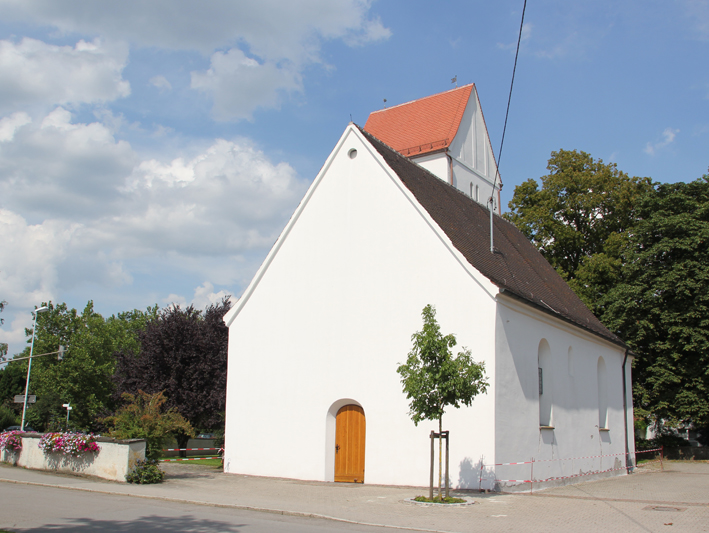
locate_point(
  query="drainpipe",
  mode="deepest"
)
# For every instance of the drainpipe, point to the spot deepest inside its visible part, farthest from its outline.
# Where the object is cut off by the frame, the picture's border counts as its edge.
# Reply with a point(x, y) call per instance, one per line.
point(450, 167)
point(628, 464)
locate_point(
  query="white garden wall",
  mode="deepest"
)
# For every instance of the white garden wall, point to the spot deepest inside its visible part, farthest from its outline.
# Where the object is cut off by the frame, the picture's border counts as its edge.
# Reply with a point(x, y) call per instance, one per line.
point(113, 461)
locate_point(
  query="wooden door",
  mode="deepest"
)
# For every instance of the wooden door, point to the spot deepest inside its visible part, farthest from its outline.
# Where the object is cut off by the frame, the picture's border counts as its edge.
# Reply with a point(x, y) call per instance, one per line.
point(350, 429)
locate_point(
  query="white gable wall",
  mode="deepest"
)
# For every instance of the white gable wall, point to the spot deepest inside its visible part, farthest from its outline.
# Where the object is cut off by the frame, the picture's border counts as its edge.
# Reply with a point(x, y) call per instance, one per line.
point(330, 316)
point(571, 381)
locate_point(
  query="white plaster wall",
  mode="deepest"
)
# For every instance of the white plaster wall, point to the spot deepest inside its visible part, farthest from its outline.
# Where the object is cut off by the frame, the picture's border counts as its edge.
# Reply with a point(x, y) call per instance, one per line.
point(437, 164)
point(463, 176)
point(330, 320)
point(113, 461)
point(575, 397)
point(463, 147)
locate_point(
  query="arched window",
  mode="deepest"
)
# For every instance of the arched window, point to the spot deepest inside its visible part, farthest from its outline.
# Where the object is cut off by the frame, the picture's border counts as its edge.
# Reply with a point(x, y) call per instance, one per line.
point(602, 395)
point(546, 389)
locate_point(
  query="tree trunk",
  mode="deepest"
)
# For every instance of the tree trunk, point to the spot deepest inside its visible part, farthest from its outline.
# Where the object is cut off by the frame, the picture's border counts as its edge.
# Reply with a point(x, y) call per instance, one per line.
point(182, 440)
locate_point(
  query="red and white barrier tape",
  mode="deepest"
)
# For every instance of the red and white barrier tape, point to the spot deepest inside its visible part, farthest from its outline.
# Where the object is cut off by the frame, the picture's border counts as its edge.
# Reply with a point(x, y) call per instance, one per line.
point(188, 449)
point(188, 459)
point(559, 477)
point(571, 458)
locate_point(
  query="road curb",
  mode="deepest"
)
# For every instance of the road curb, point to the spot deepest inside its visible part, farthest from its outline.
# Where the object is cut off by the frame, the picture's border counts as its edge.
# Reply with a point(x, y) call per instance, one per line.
point(300, 514)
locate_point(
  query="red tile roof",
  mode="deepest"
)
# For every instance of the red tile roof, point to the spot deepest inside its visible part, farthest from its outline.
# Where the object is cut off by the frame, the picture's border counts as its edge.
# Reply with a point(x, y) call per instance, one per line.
point(421, 126)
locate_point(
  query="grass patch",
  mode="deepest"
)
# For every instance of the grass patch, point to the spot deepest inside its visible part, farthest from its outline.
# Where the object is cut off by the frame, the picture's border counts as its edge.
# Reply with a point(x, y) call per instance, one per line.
point(204, 462)
point(449, 499)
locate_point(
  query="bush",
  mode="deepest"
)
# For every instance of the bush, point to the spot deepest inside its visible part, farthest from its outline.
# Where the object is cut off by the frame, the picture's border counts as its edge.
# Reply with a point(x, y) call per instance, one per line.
point(670, 441)
point(437, 499)
point(146, 472)
point(667, 440)
point(143, 417)
point(703, 436)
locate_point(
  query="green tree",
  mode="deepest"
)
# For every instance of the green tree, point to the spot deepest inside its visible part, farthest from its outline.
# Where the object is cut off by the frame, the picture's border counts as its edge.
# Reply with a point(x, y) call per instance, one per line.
point(8, 417)
point(433, 379)
point(83, 377)
point(182, 352)
point(579, 218)
point(12, 380)
point(144, 417)
point(660, 304)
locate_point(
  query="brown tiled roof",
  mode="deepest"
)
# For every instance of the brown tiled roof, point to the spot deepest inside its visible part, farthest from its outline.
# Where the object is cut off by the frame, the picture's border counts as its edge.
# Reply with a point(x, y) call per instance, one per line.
point(516, 267)
point(422, 126)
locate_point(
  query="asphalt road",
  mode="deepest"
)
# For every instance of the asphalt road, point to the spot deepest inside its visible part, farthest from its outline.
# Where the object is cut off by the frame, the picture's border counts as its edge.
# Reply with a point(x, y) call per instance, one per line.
point(25, 508)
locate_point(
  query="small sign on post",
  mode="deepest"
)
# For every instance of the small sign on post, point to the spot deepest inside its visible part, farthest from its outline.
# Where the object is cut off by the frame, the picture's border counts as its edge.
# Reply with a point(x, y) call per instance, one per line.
point(20, 398)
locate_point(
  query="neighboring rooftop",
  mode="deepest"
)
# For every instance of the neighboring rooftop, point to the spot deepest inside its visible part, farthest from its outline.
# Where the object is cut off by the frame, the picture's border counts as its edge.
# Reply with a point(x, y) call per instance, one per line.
point(422, 126)
point(516, 267)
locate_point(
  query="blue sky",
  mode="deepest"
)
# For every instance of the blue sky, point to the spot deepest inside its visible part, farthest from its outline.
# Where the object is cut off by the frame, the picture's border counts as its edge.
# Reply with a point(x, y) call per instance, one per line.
point(152, 151)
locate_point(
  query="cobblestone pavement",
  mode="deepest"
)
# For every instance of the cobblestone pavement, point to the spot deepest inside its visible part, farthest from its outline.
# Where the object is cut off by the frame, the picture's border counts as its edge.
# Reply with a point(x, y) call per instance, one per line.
point(650, 500)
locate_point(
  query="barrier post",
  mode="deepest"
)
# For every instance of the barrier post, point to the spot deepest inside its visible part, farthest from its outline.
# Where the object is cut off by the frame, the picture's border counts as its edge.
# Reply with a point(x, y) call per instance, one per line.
point(480, 481)
point(531, 478)
point(430, 485)
point(447, 462)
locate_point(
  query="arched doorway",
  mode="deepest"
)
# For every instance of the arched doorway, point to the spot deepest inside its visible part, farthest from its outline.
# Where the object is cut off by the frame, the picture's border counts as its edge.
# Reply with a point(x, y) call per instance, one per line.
point(350, 432)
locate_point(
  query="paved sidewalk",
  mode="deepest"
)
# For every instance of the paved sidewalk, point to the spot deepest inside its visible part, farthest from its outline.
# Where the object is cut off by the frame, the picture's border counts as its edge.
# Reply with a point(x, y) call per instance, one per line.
point(674, 500)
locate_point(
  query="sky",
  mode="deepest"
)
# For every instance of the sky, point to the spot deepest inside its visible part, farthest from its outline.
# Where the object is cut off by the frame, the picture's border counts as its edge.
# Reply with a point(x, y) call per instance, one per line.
point(151, 151)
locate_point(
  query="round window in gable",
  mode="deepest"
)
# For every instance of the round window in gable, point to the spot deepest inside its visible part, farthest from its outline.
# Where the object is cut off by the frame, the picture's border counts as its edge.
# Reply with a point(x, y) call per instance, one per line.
point(352, 153)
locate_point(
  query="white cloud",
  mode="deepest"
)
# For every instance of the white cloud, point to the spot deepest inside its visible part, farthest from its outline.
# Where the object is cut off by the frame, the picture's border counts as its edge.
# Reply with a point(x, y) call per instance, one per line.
point(80, 208)
point(372, 30)
point(9, 125)
point(204, 295)
point(526, 36)
point(668, 137)
point(259, 50)
point(33, 72)
point(58, 169)
point(228, 199)
point(240, 84)
point(161, 83)
point(272, 28)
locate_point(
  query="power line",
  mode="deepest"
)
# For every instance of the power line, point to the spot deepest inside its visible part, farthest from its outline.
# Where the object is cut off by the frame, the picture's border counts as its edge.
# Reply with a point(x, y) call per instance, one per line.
point(509, 99)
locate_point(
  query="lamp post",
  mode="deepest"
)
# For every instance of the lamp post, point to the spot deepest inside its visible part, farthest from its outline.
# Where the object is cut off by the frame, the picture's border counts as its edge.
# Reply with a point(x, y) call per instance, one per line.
point(29, 366)
point(68, 408)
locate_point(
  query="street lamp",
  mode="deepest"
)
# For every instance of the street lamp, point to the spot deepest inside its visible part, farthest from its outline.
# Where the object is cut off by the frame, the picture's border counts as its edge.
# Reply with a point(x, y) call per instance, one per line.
point(29, 366)
point(68, 408)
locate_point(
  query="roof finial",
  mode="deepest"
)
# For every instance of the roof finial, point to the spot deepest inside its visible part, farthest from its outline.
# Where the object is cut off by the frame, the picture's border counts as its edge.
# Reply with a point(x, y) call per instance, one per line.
point(385, 103)
point(454, 79)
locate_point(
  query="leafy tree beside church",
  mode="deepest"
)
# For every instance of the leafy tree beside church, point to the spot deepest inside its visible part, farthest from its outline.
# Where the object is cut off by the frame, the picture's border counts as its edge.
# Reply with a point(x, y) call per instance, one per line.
point(637, 253)
point(660, 303)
